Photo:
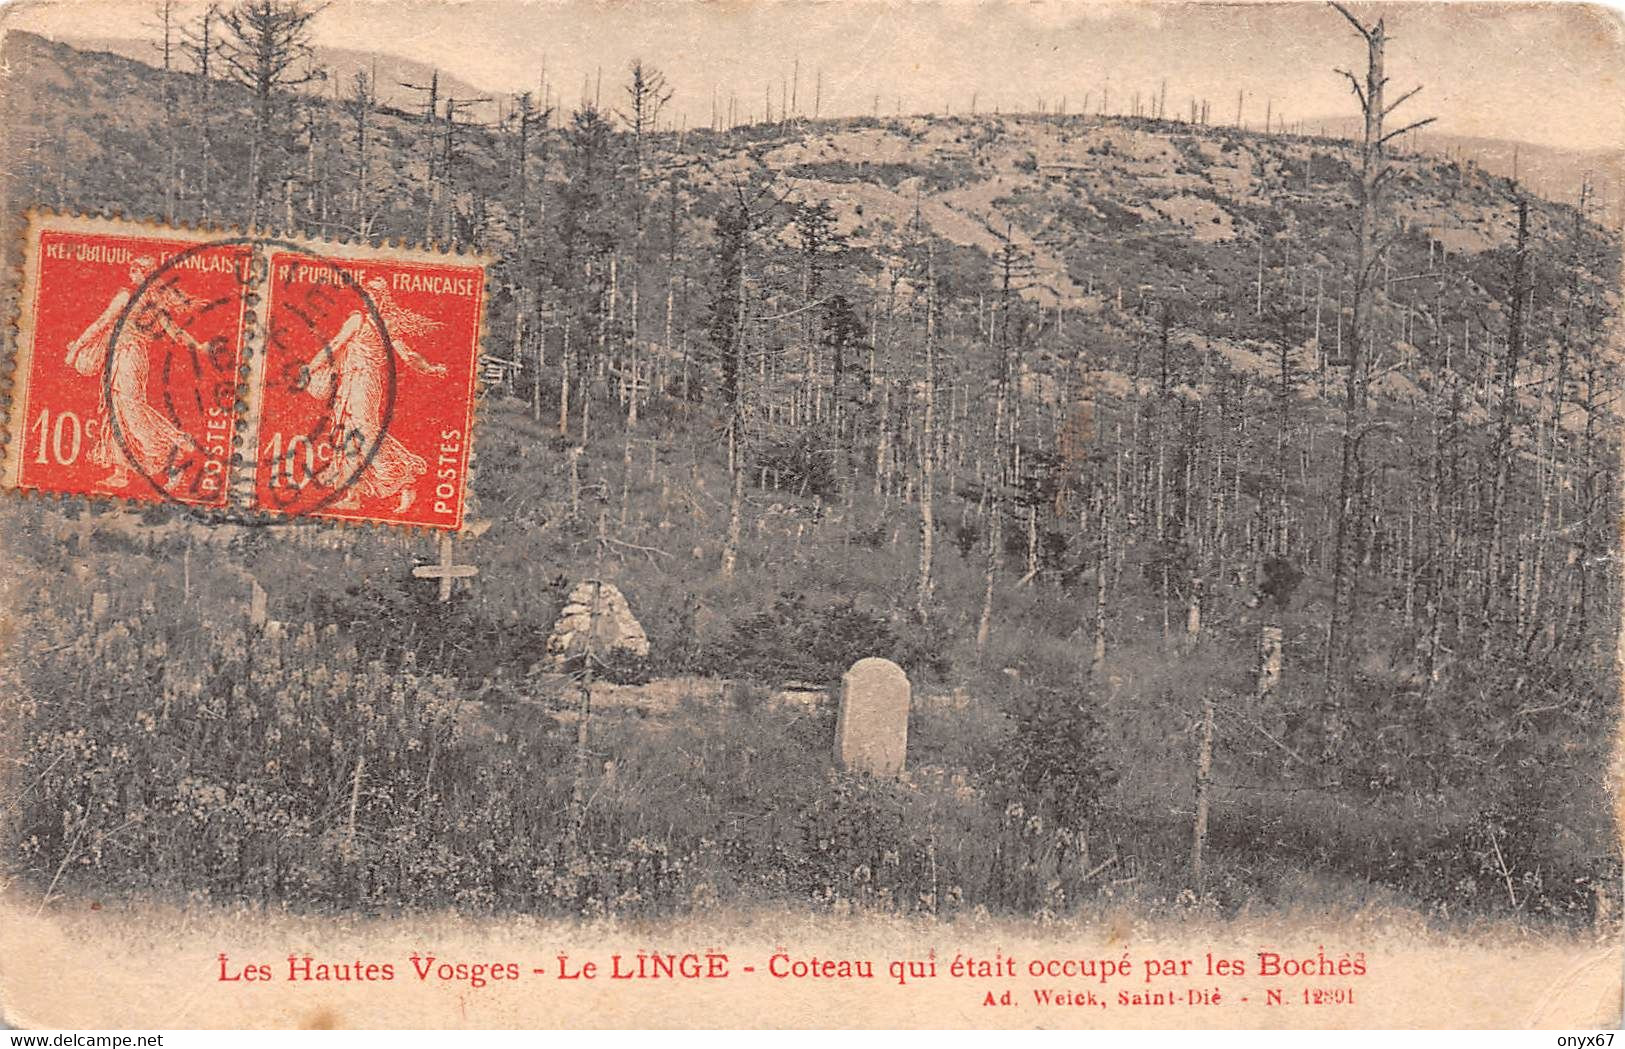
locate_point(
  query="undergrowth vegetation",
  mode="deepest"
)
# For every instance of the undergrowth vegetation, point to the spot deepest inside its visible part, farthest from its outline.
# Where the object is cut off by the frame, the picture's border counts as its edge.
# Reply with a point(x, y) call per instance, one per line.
point(391, 763)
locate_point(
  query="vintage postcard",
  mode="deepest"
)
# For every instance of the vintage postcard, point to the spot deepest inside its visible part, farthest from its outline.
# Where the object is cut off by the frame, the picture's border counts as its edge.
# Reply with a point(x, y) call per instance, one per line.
point(867, 515)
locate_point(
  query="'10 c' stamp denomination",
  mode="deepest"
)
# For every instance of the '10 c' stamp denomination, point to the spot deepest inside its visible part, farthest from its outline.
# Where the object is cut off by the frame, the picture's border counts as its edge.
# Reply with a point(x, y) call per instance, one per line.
point(136, 379)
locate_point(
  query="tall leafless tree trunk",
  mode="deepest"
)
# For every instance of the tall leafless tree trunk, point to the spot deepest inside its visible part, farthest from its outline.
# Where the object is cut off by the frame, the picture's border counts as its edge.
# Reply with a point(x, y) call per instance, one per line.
point(1374, 173)
point(1501, 451)
point(928, 446)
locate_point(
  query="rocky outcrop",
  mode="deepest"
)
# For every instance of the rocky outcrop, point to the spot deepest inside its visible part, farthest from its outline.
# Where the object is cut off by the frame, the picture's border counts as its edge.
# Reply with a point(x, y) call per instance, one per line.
point(616, 630)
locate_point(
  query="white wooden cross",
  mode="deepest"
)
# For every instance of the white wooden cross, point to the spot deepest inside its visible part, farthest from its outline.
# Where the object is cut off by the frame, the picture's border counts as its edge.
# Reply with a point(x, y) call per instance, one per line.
point(445, 571)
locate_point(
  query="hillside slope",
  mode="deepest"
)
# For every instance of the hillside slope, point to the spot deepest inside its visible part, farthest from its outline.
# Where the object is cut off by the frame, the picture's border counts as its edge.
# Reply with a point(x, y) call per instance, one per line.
point(338, 66)
point(1107, 354)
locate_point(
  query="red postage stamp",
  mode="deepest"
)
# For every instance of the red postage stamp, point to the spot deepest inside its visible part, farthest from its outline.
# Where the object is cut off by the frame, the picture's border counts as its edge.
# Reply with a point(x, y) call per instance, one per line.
point(139, 378)
point(367, 389)
point(128, 354)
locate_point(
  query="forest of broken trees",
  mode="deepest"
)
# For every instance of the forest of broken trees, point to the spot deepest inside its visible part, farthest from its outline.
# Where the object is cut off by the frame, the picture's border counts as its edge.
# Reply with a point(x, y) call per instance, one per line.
point(1246, 501)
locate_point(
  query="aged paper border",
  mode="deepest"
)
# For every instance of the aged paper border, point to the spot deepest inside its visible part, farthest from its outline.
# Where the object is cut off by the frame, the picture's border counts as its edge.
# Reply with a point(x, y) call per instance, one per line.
point(86, 964)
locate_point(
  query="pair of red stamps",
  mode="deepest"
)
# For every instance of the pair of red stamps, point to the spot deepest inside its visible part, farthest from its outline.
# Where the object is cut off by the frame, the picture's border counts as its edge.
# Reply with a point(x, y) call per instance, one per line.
point(249, 377)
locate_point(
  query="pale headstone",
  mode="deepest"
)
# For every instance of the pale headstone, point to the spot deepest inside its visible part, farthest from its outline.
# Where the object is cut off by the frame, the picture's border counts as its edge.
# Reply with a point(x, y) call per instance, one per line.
point(98, 607)
point(871, 734)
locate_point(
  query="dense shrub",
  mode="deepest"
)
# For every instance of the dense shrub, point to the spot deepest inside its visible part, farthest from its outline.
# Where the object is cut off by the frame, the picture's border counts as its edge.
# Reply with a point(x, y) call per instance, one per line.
point(1054, 758)
point(803, 464)
point(799, 639)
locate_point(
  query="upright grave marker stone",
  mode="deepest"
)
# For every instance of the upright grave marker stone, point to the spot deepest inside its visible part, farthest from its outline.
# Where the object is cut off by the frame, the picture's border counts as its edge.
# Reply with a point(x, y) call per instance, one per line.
point(871, 734)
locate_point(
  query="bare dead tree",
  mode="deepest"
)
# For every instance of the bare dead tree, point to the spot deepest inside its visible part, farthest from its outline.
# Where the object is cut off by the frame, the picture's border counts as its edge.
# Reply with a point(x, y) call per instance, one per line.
point(360, 105)
point(164, 23)
point(431, 110)
point(744, 216)
point(1501, 450)
point(266, 47)
point(928, 441)
point(527, 295)
point(201, 44)
point(167, 28)
point(1375, 172)
point(1011, 263)
point(647, 94)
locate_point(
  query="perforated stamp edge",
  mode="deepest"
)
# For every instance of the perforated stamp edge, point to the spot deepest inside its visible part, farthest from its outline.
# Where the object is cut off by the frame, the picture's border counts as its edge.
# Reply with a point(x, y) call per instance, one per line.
point(256, 351)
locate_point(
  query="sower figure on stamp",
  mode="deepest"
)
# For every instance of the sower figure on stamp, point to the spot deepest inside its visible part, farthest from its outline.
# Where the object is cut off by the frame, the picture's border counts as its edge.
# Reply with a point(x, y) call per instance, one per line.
point(352, 368)
point(153, 442)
